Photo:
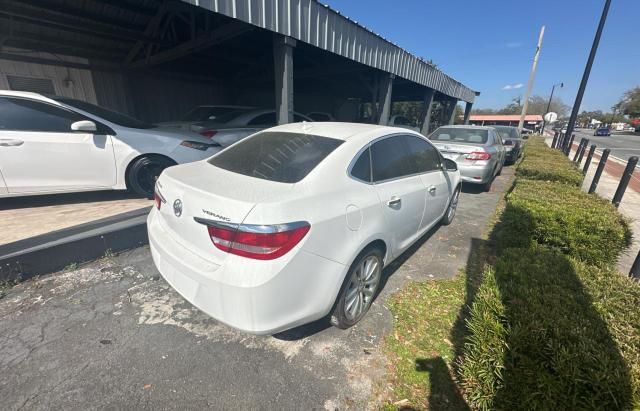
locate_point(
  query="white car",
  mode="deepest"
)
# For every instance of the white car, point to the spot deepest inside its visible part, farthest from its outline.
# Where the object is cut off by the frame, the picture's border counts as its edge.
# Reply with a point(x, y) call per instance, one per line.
point(202, 113)
point(401, 121)
point(57, 145)
point(298, 221)
point(233, 127)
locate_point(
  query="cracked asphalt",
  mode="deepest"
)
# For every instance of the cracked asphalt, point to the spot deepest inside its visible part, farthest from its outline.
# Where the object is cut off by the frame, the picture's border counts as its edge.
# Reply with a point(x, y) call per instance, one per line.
point(113, 335)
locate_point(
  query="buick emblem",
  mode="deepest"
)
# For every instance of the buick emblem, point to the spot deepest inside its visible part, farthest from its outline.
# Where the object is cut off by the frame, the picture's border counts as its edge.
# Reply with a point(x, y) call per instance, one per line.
point(177, 207)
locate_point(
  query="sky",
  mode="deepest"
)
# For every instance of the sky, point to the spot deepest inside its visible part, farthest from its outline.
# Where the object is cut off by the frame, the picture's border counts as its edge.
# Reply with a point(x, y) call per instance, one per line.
point(489, 45)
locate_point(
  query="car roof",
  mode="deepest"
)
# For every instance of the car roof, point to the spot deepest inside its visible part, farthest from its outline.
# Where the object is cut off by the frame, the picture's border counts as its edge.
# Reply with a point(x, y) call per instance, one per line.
point(340, 130)
point(28, 94)
point(469, 126)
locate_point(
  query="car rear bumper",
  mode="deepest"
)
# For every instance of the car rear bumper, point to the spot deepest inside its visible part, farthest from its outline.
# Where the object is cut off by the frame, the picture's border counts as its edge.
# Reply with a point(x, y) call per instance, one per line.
point(476, 174)
point(302, 289)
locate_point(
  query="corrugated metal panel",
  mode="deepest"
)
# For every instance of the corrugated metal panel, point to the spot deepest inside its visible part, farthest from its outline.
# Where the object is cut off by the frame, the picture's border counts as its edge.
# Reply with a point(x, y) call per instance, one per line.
point(320, 26)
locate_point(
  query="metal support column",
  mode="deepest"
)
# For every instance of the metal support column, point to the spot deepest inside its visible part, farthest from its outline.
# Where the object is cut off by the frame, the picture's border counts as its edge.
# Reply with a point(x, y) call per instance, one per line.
point(386, 90)
point(283, 68)
point(452, 112)
point(467, 112)
point(426, 115)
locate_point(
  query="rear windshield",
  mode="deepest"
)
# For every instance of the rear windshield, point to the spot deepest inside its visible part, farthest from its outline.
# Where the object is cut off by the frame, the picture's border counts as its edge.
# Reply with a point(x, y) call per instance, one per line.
point(460, 135)
point(508, 132)
point(275, 156)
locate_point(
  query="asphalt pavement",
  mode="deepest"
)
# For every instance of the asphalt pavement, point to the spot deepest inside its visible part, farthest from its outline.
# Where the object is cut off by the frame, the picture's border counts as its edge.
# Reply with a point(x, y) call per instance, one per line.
point(113, 335)
point(622, 145)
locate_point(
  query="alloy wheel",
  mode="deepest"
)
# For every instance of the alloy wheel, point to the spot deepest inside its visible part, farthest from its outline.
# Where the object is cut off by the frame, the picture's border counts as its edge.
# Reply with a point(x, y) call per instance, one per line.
point(362, 287)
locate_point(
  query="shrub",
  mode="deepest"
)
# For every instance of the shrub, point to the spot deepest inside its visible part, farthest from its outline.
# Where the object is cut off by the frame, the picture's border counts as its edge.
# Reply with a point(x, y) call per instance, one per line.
point(553, 214)
point(544, 163)
point(549, 332)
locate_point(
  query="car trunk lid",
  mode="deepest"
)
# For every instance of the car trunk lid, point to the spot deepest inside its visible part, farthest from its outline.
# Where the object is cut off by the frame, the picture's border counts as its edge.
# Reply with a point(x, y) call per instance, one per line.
point(205, 192)
point(457, 151)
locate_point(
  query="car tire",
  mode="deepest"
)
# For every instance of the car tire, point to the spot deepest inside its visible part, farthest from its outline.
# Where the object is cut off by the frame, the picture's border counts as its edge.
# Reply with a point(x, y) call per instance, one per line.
point(359, 289)
point(143, 173)
point(450, 214)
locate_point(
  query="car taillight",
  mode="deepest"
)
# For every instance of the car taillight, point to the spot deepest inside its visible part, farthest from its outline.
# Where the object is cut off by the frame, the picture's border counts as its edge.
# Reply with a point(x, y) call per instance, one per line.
point(158, 198)
point(478, 155)
point(260, 242)
point(208, 133)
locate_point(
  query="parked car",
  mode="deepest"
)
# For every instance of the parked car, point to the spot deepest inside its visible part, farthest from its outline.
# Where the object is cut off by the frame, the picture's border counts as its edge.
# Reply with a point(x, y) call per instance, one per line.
point(235, 126)
point(298, 221)
point(512, 142)
point(202, 113)
point(403, 122)
point(57, 144)
point(320, 116)
point(478, 151)
point(602, 131)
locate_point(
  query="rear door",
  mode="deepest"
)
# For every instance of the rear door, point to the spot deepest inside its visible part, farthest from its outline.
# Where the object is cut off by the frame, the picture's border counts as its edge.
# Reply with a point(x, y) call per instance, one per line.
point(40, 153)
point(400, 188)
point(433, 177)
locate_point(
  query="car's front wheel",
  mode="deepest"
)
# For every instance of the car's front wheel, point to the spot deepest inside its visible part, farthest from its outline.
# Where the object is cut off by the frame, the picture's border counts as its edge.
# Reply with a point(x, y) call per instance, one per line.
point(359, 289)
point(144, 172)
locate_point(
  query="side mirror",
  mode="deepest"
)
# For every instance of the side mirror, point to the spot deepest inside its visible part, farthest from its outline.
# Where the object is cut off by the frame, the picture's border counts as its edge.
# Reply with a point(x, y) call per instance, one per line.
point(450, 165)
point(84, 125)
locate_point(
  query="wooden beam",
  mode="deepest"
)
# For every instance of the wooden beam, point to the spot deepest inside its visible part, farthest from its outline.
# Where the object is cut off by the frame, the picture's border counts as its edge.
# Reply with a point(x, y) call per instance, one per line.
point(204, 40)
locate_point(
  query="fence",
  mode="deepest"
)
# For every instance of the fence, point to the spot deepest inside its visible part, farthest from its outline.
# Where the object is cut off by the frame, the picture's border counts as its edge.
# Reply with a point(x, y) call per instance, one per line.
point(565, 143)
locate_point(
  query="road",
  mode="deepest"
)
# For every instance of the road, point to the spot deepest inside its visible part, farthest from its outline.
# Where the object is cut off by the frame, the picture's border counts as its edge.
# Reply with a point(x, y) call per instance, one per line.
point(114, 335)
point(622, 145)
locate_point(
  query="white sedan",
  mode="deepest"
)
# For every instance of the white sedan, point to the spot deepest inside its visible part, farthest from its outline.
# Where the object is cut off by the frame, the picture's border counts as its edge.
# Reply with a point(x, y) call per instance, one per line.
point(298, 221)
point(57, 145)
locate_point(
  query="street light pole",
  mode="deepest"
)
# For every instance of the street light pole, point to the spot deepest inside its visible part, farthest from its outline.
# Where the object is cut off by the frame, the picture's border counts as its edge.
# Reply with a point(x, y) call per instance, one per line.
point(587, 70)
point(544, 122)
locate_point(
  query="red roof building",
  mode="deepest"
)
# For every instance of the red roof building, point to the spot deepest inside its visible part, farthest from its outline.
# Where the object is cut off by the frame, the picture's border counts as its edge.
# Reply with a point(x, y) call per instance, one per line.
point(531, 121)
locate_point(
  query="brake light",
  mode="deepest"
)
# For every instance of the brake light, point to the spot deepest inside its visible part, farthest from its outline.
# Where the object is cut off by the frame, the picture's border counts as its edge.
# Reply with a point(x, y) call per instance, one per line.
point(158, 198)
point(208, 133)
point(478, 155)
point(260, 242)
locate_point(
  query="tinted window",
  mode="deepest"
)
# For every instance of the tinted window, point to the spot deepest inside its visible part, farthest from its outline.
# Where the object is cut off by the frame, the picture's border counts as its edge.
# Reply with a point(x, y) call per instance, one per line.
point(423, 157)
point(389, 159)
point(508, 132)
point(401, 121)
point(268, 118)
point(29, 115)
point(109, 115)
point(362, 167)
point(274, 156)
point(460, 135)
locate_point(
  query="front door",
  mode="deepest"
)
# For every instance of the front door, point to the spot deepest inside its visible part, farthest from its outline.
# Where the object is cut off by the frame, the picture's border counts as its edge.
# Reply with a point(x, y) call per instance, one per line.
point(40, 153)
point(400, 189)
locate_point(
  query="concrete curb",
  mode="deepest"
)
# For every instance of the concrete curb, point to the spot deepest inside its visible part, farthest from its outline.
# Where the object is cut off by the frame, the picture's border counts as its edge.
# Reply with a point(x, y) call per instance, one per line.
point(53, 251)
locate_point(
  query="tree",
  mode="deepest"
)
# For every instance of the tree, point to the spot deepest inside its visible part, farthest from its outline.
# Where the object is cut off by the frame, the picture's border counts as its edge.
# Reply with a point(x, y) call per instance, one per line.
point(630, 103)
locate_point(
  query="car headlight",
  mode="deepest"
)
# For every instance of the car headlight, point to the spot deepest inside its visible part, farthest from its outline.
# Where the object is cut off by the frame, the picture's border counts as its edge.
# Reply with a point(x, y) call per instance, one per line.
point(198, 145)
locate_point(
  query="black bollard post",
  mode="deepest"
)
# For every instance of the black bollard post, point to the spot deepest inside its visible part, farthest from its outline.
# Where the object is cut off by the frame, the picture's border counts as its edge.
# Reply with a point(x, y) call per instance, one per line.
point(555, 140)
point(584, 148)
point(589, 158)
point(578, 150)
point(635, 268)
point(569, 145)
point(560, 145)
point(624, 181)
point(601, 164)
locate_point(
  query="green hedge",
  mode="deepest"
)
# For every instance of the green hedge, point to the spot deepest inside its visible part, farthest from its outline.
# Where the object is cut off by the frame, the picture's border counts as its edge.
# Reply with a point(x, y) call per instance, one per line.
point(544, 163)
point(549, 332)
point(553, 214)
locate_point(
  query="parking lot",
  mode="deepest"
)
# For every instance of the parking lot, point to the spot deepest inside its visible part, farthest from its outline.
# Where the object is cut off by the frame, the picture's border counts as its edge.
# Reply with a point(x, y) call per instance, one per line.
point(114, 335)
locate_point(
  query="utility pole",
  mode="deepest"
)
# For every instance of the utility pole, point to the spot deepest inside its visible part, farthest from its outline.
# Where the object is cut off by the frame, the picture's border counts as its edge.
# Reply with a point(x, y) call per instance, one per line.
point(531, 77)
point(544, 122)
point(587, 69)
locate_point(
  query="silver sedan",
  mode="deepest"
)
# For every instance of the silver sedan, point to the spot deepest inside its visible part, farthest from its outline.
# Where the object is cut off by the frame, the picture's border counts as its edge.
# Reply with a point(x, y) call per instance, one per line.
point(478, 151)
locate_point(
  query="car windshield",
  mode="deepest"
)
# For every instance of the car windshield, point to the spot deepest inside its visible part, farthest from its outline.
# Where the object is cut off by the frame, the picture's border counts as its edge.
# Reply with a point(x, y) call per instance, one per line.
point(203, 113)
point(230, 116)
point(112, 116)
point(508, 132)
point(460, 135)
point(276, 156)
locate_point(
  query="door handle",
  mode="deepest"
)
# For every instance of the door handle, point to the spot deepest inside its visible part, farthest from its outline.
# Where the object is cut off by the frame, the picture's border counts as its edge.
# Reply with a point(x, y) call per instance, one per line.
point(432, 189)
point(5, 142)
point(394, 201)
